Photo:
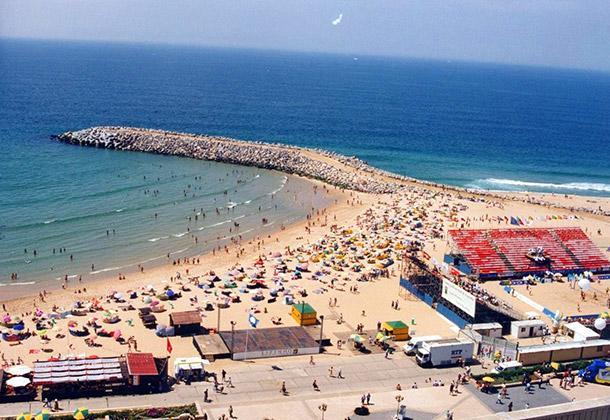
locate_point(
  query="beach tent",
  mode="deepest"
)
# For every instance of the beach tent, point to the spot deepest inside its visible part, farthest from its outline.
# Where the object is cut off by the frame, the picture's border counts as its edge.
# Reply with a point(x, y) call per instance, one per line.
point(304, 314)
point(398, 329)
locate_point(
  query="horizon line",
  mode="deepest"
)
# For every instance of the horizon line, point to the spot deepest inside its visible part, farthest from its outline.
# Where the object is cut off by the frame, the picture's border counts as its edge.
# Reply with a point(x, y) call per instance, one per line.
point(313, 52)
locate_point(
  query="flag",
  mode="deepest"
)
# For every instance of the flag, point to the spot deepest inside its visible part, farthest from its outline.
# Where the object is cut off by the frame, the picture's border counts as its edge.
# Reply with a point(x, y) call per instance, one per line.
point(169, 346)
point(252, 320)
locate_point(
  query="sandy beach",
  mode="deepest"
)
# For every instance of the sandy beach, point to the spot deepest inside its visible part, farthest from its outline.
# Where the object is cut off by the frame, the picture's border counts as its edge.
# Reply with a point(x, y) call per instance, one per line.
point(358, 223)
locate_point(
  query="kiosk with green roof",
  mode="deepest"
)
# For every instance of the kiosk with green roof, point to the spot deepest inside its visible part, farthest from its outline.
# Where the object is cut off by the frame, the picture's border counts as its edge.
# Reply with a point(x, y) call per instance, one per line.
point(398, 329)
point(304, 314)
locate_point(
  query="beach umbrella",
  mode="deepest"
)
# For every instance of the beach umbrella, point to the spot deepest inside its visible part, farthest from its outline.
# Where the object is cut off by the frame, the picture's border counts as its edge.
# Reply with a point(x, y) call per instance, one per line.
point(81, 413)
point(147, 299)
point(584, 284)
point(600, 324)
point(169, 293)
point(18, 381)
point(18, 370)
point(489, 379)
point(24, 416)
point(42, 415)
point(19, 327)
point(356, 338)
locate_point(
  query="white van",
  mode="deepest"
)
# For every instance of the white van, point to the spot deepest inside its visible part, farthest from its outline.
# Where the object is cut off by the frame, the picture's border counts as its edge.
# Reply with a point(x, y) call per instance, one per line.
point(504, 366)
point(415, 342)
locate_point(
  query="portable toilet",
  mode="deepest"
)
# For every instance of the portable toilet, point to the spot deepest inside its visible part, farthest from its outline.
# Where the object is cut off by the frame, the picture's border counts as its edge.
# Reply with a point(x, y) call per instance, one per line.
point(398, 329)
point(304, 314)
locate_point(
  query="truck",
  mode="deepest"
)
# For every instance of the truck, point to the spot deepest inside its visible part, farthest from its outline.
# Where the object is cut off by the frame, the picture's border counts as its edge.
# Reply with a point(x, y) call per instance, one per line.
point(415, 343)
point(444, 352)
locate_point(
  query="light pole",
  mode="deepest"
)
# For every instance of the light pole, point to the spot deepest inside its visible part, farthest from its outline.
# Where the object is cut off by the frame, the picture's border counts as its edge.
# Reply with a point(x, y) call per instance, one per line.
point(218, 324)
point(323, 407)
point(399, 399)
point(232, 336)
point(321, 332)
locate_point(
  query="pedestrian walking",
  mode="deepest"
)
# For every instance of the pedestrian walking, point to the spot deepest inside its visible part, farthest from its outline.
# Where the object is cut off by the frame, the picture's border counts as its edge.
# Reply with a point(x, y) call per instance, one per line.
point(311, 362)
point(499, 399)
point(205, 396)
point(315, 386)
point(363, 399)
point(451, 389)
point(224, 374)
point(283, 388)
point(340, 374)
point(510, 406)
point(368, 399)
point(231, 412)
point(331, 371)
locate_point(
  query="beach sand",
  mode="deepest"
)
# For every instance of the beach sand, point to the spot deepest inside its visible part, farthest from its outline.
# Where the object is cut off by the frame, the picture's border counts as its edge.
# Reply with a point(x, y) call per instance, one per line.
point(372, 218)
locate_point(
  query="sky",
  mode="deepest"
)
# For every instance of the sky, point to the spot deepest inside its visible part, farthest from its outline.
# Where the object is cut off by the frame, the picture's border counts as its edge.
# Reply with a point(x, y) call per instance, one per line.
point(556, 33)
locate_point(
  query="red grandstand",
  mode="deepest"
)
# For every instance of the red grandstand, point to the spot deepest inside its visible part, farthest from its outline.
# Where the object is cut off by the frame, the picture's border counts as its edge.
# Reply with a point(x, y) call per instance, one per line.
point(503, 253)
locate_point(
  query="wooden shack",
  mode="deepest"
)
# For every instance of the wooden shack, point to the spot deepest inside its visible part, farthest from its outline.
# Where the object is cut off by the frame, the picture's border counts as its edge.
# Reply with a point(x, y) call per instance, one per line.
point(186, 322)
point(304, 314)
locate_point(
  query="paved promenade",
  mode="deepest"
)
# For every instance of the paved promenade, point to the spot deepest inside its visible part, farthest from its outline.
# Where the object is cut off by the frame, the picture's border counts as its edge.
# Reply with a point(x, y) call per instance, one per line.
point(256, 385)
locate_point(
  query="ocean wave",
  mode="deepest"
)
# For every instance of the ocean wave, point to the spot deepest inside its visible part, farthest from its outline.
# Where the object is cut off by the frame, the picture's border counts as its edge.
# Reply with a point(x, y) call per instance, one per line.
point(580, 186)
point(179, 235)
point(119, 210)
point(18, 283)
point(157, 239)
point(104, 270)
point(231, 204)
point(46, 222)
point(281, 187)
point(224, 222)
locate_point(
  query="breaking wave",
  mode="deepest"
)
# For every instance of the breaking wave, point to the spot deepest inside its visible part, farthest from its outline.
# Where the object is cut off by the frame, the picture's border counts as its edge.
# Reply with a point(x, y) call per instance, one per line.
point(516, 184)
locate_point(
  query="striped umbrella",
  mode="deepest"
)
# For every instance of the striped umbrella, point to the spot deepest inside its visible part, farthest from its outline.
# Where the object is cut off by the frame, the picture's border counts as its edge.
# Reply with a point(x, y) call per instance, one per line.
point(42, 415)
point(81, 413)
point(24, 416)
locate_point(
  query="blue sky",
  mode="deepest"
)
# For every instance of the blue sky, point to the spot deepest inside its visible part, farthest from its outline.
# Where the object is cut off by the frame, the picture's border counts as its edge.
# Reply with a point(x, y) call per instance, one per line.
point(560, 33)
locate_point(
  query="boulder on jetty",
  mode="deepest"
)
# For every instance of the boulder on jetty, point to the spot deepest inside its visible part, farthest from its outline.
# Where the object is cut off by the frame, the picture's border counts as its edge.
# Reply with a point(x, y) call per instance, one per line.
point(332, 168)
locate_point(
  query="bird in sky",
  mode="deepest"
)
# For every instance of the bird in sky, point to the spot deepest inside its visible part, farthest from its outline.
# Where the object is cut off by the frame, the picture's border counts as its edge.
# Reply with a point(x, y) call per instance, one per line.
point(338, 20)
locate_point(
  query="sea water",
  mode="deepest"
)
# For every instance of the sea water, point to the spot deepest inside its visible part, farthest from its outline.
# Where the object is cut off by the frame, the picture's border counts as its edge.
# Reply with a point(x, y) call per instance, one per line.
point(474, 125)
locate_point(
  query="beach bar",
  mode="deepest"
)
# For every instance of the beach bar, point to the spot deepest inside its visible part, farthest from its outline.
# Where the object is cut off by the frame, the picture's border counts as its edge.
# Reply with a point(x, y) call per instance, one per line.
point(73, 375)
point(304, 314)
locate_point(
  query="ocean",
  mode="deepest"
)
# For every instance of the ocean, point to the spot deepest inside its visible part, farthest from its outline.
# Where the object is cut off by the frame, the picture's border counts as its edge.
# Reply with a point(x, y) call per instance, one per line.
point(474, 125)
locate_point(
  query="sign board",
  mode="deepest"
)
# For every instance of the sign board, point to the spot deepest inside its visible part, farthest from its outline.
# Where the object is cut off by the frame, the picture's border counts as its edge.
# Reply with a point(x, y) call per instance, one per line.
point(459, 297)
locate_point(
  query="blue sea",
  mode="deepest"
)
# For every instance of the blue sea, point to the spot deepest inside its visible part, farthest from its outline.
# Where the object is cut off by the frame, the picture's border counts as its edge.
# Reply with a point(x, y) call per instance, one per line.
point(474, 125)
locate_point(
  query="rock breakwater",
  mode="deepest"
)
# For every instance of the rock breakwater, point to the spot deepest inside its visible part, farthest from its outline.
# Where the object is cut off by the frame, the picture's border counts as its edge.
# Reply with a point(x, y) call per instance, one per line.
point(341, 171)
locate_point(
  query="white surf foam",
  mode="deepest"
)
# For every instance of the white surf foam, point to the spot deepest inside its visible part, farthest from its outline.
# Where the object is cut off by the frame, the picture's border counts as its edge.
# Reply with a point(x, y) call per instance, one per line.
point(19, 283)
point(46, 222)
point(104, 270)
point(581, 186)
point(158, 239)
